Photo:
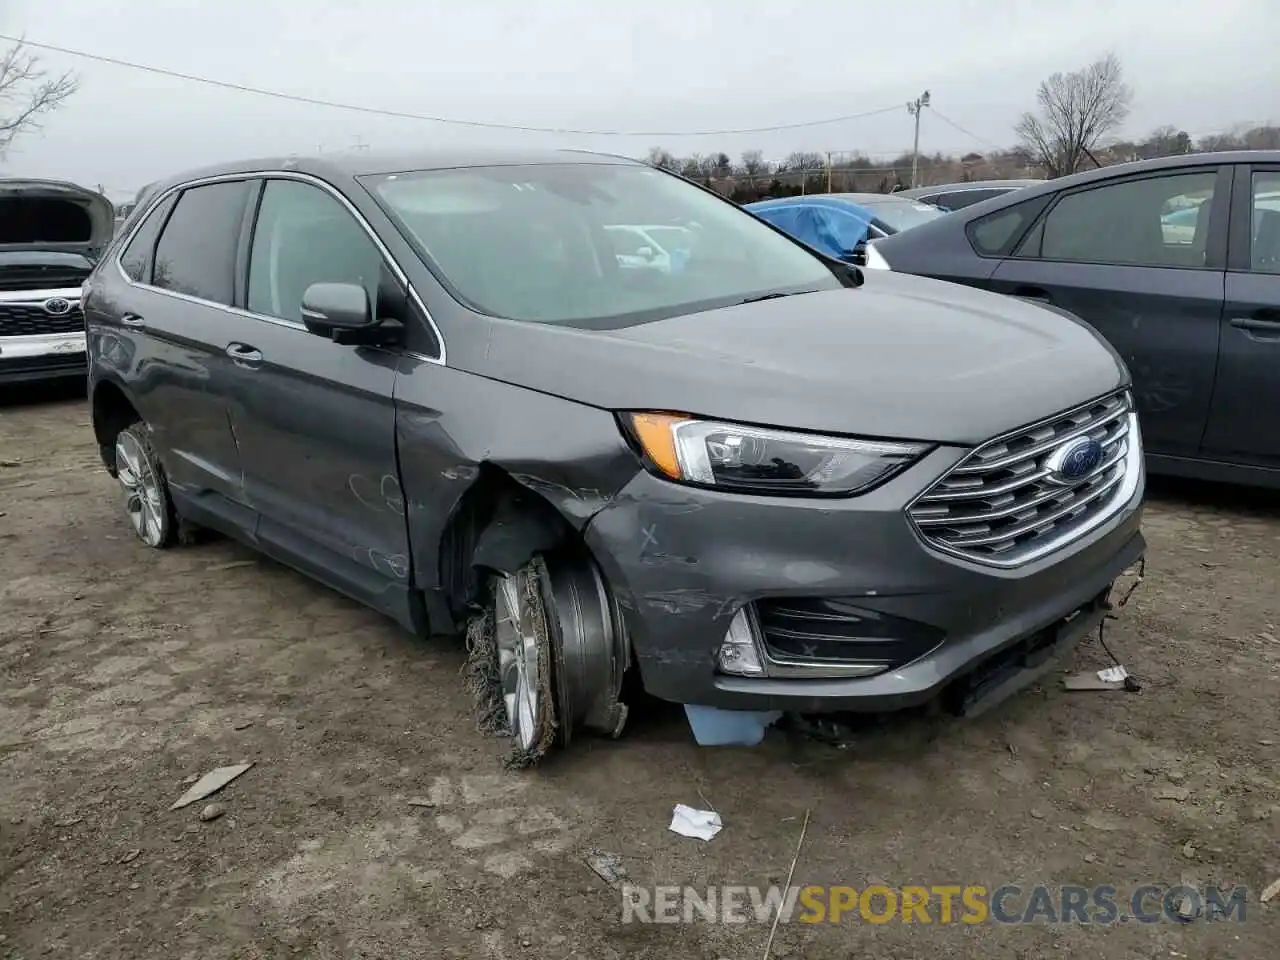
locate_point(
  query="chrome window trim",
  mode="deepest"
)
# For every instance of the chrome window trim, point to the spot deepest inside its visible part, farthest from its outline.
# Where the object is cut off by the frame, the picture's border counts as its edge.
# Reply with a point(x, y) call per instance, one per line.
point(388, 259)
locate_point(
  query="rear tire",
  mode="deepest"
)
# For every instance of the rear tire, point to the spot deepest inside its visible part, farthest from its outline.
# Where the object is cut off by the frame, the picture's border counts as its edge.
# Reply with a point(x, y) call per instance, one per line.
point(145, 488)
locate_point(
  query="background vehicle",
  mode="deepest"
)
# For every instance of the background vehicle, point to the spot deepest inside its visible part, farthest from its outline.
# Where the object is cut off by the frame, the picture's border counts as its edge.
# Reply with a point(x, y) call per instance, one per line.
point(429, 383)
point(1176, 262)
point(51, 234)
point(957, 196)
point(653, 246)
point(841, 224)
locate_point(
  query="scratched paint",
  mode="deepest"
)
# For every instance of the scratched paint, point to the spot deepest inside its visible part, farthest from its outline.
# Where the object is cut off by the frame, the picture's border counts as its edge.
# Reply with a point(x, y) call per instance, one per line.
point(392, 495)
point(683, 600)
point(462, 471)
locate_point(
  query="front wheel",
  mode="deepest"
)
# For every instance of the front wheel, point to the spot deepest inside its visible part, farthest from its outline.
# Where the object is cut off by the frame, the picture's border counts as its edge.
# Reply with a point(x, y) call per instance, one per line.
point(547, 656)
point(145, 488)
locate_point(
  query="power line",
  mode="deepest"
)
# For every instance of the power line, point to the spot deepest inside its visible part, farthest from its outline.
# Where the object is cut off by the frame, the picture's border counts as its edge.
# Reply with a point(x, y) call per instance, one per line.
point(403, 115)
point(968, 133)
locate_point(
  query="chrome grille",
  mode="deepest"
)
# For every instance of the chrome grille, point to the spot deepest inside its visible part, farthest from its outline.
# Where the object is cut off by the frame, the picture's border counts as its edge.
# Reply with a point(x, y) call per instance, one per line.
point(26, 319)
point(999, 504)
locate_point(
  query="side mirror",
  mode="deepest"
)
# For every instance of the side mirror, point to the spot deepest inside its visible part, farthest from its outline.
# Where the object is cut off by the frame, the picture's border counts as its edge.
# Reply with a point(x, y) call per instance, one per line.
point(857, 256)
point(331, 307)
point(646, 252)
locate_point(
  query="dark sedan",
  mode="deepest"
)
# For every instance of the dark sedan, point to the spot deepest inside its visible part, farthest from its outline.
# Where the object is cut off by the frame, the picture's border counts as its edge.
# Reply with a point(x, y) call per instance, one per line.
point(1194, 307)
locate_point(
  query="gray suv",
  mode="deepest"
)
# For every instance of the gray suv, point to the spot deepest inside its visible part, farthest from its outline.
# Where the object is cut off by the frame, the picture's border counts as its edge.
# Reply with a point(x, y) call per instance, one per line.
point(759, 479)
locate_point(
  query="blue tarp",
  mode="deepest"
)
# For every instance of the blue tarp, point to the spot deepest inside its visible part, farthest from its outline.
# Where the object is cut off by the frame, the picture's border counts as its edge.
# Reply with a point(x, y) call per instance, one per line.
point(834, 228)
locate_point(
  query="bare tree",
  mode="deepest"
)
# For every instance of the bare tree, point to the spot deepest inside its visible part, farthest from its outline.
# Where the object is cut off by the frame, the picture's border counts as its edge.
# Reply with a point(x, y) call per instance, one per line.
point(27, 93)
point(1077, 111)
point(753, 164)
point(665, 159)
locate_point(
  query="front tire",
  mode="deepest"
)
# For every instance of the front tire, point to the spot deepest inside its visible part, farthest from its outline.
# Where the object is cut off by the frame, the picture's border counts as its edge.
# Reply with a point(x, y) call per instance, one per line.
point(145, 488)
point(546, 656)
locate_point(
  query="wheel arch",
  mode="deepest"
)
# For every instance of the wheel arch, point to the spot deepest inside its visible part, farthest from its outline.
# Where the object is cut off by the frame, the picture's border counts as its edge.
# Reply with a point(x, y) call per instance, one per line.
point(113, 409)
point(499, 524)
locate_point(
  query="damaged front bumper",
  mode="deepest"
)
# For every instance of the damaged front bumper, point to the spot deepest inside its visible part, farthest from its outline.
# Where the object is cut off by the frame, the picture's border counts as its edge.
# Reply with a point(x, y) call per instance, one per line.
point(844, 606)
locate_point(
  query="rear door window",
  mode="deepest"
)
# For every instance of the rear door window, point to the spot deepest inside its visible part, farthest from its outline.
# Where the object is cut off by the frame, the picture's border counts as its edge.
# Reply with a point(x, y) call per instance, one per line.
point(196, 255)
point(1155, 221)
point(136, 259)
point(1264, 233)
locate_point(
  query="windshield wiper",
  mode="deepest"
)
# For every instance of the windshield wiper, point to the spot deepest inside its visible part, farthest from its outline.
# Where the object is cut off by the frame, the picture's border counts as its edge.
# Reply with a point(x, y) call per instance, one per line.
point(774, 296)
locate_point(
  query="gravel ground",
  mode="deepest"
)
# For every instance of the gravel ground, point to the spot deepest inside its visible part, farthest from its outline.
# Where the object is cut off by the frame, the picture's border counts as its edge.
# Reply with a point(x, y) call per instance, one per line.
point(124, 672)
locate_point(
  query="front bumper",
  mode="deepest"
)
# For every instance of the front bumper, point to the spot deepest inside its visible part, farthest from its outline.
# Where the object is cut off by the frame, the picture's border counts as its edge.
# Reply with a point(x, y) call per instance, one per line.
point(683, 561)
point(42, 357)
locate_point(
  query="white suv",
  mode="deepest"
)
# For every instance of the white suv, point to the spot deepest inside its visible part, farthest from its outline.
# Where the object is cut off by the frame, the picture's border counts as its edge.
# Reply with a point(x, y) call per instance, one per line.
point(51, 235)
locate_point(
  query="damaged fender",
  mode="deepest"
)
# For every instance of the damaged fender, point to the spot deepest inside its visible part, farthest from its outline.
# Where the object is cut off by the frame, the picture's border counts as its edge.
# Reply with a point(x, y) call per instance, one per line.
point(571, 456)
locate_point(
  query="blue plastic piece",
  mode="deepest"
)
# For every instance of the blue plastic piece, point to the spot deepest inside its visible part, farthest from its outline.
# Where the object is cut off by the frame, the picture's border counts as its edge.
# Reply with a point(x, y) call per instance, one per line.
point(713, 727)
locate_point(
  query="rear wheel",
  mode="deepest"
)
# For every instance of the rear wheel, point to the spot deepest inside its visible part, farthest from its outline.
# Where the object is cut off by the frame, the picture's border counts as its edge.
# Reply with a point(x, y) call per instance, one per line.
point(145, 488)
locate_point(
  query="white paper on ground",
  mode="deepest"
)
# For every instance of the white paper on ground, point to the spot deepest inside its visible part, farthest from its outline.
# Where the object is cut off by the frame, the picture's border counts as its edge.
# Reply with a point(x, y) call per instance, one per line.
point(210, 783)
point(1113, 674)
point(698, 824)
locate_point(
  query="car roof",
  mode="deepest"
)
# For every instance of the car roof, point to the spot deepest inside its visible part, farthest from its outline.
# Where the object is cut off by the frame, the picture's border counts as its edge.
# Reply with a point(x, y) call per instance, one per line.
point(344, 166)
point(966, 185)
point(1137, 166)
point(924, 233)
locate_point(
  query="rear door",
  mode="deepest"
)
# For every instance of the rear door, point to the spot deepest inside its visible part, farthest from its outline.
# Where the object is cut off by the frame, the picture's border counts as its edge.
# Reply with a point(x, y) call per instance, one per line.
point(1154, 290)
point(166, 325)
point(1244, 423)
point(316, 419)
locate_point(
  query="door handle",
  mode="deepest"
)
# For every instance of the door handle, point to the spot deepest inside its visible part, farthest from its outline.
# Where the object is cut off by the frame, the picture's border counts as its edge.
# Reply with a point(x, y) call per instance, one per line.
point(1032, 293)
point(1257, 325)
point(133, 320)
point(244, 355)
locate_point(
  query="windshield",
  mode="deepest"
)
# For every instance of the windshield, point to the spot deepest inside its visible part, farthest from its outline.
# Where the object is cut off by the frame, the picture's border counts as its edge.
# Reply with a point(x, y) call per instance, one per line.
point(548, 242)
point(904, 214)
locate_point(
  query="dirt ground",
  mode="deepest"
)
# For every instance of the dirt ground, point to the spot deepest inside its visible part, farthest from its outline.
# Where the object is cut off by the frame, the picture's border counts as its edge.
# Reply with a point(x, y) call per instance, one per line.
point(125, 671)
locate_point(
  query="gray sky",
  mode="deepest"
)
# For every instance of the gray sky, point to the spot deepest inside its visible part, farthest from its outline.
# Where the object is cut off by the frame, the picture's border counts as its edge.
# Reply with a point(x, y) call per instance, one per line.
point(675, 65)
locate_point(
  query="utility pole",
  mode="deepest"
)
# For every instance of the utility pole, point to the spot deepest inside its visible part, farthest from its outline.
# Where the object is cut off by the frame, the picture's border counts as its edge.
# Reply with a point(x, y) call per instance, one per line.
point(828, 171)
point(914, 107)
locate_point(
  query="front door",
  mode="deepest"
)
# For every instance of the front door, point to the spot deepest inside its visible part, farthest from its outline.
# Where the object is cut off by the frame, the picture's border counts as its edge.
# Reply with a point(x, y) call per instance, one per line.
point(1244, 424)
point(1119, 256)
point(316, 419)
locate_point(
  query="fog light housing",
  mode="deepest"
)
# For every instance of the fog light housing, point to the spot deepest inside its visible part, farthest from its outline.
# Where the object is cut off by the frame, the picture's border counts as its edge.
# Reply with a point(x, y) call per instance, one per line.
point(739, 654)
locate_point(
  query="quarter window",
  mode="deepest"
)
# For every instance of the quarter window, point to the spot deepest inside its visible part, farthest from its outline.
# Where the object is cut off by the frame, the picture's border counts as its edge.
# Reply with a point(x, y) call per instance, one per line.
point(196, 254)
point(1264, 246)
point(1155, 222)
point(994, 234)
point(136, 259)
point(305, 236)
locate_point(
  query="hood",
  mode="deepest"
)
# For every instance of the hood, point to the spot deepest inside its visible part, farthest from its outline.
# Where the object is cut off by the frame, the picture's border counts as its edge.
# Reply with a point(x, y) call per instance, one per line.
point(899, 357)
point(52, 215)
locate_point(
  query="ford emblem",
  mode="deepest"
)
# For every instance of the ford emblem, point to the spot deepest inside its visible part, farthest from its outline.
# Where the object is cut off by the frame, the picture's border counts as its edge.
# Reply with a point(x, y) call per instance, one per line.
point(57, 306)
point(1074, 460)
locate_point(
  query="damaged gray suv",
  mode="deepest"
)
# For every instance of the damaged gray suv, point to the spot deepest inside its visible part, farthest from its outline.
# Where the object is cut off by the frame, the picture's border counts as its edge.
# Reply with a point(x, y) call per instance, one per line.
point(754, 477)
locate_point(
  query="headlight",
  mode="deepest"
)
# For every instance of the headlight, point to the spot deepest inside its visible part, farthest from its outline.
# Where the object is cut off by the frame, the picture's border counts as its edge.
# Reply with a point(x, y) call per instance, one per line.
point(746, 459)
